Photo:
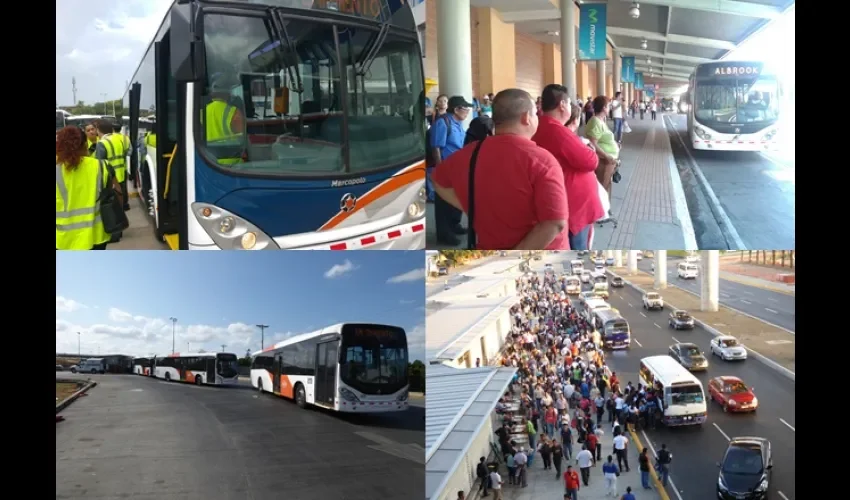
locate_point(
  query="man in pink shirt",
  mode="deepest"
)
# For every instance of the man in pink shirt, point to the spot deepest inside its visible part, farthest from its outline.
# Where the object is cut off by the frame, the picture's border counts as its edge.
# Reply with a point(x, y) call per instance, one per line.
point(578, 162)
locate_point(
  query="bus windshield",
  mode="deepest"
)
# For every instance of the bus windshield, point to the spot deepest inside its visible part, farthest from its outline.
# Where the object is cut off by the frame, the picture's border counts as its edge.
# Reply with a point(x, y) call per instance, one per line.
point(374, 358)
point(227, 365)
point(737, 101)
point(616, 327)
point(686, 394)
point(293, 99)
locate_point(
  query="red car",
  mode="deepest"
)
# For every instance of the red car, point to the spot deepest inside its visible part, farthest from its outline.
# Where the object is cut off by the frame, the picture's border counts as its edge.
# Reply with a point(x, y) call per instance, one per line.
point(732, 394)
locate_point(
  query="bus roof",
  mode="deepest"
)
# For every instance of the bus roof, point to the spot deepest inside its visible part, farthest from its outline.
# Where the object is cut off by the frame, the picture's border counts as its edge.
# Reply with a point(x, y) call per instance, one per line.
point(606, 315)
point(337, 328)
point(592, 304)
point(193, 355)
point(576, 261)
point(668, 371)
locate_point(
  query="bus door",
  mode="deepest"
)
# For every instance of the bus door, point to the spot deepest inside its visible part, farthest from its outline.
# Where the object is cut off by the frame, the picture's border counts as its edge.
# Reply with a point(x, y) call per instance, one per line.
point(170, 164)
point(327, 355)
point(210, 370)
point(278, 362)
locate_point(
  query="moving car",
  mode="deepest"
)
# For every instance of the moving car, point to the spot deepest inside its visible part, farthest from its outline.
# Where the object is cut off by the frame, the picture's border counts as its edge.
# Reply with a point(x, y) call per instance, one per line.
point(443, 271)
point(681, 320)
point(653, 300)
point(585, 296)
point(689, 356)
point(732, 394)
point(599, 268)
point(746, 469)
point(639, 255)
point(617, 282)
point(585, 276)
point(91, 365)
point(59, 368)
point(686, 271)
point(728, 348)
point(609, 261)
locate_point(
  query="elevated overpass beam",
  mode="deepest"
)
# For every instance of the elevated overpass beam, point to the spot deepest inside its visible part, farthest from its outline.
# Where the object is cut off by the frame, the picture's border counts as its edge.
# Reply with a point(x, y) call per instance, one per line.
point(660, 269)
point(710, 276)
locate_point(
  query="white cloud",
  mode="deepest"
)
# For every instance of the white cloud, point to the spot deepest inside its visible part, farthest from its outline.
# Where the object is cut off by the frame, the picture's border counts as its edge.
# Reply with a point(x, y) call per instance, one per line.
point(64, 305)
point(416, 343)
point(339, 269)
point(413, 275)
point(137, 335)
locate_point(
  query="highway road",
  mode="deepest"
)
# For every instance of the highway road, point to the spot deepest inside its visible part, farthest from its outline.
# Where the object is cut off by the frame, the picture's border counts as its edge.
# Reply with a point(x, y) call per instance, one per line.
point(773, 307)
point(756, 193)
point(140, 437)
point(696, 450)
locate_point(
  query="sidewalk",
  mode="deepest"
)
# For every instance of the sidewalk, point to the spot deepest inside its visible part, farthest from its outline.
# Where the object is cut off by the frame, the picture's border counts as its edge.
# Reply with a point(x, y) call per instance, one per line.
point(772, 345)
point(542, 485)
point(648, 202)
point(766, 284)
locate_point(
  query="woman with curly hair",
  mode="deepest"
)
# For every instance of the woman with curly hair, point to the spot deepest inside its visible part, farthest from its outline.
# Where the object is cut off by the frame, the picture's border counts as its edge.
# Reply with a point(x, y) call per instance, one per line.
point(79, 181)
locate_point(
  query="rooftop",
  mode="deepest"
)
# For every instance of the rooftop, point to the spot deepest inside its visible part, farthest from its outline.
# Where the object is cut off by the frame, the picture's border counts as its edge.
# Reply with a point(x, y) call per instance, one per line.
point(459, 402)
point(451, 328)
point(472, 288)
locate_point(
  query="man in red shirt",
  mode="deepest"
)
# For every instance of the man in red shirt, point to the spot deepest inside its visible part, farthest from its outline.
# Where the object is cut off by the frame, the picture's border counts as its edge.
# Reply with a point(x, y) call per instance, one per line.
point(571, 483)
point(578, 162)
point(520, 200)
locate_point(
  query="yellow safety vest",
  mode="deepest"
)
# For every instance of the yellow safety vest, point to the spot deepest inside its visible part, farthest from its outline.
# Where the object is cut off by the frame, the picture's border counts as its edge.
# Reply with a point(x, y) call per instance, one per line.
point(150, 139)
point(116, 149)
point(78, 224)
point(89, 144)
point(219, 117)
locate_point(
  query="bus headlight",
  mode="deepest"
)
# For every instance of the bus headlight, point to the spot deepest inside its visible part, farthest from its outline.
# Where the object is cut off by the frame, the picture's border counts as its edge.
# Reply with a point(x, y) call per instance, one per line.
point(416, 209)
point(702, 134)
point(770, 135)
point(348, 395)
point(402, 397)
point(229, 231)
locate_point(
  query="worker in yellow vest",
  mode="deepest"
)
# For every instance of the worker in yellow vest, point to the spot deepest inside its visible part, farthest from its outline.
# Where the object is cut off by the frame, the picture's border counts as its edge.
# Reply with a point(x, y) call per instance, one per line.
point(113, 148)
point(223, 121)
point(79, 181)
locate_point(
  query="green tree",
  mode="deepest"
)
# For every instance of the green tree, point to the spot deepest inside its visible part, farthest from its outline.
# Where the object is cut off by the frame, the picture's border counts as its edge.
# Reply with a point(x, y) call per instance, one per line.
point(416, 376)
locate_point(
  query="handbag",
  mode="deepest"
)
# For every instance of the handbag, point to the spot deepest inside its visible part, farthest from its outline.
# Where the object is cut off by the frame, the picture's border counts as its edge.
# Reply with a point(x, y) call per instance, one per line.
point(616, 178)
point(603, 197)
point(470, 213)
point(111, 208)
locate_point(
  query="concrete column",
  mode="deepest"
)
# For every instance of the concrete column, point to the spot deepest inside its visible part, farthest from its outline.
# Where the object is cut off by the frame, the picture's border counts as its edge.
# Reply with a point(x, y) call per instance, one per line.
point(618, 258)
point(600, 78)
point(552, 72)
point(617, 71)
point(496, 51)
point(454, 49)
point(568, 45)
point(632, 262)
point(710, 280)
point(660, 269)
point(583, 80)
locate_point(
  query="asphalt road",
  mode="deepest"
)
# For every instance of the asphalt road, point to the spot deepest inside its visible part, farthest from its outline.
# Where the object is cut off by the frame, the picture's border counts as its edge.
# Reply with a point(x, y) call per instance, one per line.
point(148, 439)
point(773, 307)
point(756, 193)
point(696, 450)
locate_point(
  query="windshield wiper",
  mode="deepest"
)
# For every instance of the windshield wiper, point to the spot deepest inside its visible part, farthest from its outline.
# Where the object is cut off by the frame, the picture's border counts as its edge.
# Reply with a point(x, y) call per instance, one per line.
point(376, 42)
point(283, 35)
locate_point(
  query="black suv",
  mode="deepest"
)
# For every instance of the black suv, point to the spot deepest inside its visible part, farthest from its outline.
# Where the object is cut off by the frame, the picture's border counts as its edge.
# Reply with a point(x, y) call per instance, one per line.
point(745, 470)
point(617, 282)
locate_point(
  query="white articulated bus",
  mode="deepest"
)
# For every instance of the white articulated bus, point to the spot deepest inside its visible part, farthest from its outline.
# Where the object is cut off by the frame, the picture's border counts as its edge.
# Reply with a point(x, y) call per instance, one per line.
point(142, 366)
point(349, 367)
point(214, 368)
point(683, 401)
point(732, 106)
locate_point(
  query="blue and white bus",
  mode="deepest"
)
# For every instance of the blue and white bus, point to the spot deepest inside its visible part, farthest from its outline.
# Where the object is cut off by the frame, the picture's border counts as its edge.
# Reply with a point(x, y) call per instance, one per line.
point(323, 114)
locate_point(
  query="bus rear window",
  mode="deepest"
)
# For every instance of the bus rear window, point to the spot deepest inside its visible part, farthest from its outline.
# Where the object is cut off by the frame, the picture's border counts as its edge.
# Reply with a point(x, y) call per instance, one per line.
point(686, 394)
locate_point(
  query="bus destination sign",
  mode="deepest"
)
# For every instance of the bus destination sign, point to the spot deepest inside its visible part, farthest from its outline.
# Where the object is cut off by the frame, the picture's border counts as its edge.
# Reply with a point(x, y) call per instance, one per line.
point(379, 334)
point(730, 70)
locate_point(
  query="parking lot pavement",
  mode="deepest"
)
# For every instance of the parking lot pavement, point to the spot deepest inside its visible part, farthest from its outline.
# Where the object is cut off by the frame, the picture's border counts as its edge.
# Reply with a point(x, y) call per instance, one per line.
point(143, 438)
point(773, 343)
point(696, 449)
point(140, 234)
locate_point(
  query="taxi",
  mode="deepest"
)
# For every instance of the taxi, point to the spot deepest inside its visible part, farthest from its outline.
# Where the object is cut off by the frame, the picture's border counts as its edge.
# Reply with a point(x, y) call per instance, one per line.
point(732, 394)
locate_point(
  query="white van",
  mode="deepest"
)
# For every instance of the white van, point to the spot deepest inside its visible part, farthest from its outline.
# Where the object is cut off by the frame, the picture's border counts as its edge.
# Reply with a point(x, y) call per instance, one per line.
point(687, 270)
point(91, 365)
point(683, 401)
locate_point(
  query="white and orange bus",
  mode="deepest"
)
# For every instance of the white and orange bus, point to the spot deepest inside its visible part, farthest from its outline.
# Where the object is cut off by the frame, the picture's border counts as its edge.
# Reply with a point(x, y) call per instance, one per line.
point(214, 368)
point(142, 366)
point(349, 367)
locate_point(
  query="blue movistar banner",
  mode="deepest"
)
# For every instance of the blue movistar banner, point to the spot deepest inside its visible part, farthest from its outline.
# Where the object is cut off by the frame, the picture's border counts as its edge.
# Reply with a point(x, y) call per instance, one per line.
point(592, 31)
point(639, 81)
point(628, 73)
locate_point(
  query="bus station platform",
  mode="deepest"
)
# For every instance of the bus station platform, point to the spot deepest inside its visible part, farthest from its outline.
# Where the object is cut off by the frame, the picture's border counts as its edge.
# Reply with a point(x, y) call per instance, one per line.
point(649, 202)
point(140, 234)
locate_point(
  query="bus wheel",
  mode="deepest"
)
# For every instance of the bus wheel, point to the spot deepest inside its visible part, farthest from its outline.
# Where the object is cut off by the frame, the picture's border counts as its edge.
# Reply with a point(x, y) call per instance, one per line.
point(300, 396)
point(167, 377)
point(198, 380)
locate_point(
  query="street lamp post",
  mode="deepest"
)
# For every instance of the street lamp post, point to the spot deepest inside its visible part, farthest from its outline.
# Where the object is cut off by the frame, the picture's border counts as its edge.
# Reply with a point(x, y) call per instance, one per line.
point(173, 325)
point(262, 335)
point(79, 351)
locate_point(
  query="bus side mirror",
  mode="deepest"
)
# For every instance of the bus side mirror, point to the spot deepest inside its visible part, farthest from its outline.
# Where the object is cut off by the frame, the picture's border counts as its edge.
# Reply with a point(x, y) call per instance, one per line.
point(186, 52)
point(281, 101)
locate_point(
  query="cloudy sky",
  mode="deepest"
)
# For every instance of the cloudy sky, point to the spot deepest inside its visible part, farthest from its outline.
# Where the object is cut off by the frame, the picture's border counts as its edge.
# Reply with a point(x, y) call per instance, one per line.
point(101, 43)
point(120, 302)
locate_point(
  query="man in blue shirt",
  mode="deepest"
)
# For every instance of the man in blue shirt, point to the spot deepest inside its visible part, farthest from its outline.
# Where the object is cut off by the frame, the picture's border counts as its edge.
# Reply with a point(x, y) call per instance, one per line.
point(447, 135)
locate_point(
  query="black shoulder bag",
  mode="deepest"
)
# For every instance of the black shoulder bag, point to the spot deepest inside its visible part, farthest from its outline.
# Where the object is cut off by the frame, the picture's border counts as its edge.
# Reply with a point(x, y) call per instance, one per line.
point(471, 238)
point(111, 209)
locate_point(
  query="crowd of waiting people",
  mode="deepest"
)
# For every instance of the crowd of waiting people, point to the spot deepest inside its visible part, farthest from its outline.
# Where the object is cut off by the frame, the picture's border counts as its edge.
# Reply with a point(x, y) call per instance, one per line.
point(564, 398)
point(558, 182)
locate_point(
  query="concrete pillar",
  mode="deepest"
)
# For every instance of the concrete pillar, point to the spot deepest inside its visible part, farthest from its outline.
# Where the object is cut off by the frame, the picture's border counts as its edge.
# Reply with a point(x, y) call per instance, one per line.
point(552, 72)
point(600, 78)
point(618, 69)
point(454, 49)
point(632, 262)
point(568, 45)
point(660, 269)
point(583, 80)
point(710, 280)
point(496, 51)
point(618, 258)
